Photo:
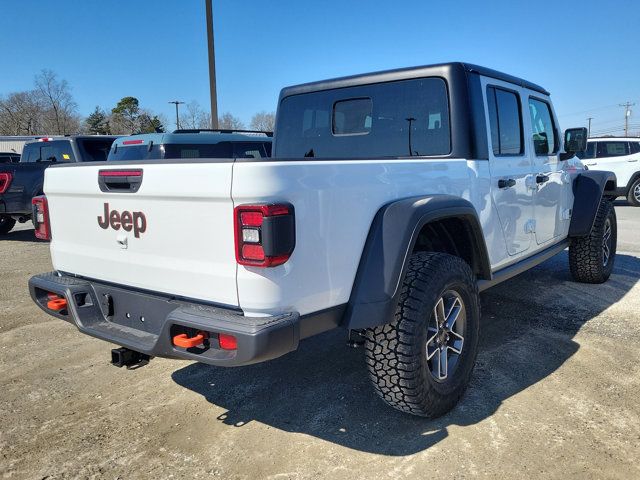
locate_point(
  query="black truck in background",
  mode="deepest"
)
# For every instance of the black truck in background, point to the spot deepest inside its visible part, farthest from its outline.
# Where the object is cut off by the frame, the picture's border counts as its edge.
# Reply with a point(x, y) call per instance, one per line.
point(20, 182)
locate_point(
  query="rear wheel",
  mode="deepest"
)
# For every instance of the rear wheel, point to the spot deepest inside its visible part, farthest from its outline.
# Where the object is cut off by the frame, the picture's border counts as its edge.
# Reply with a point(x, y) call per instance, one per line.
point(6, 224)
point(591, 258)
point(421, 362)
point(633, 197)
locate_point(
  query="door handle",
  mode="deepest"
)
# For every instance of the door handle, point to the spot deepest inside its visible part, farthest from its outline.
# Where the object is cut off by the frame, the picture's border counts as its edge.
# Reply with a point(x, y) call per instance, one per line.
point(542, 178)
point(632, 160)
point(591, 164)
point(506, 183)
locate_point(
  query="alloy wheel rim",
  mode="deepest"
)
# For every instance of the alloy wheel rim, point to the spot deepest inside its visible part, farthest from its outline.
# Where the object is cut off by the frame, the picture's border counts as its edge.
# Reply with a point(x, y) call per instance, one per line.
point(636, 192)
point(606, 243)
point(445, 335)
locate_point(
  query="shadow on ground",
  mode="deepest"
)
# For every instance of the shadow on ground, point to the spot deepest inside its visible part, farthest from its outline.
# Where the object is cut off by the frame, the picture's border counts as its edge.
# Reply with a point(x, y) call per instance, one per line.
point(322, 389)
point(27, 235)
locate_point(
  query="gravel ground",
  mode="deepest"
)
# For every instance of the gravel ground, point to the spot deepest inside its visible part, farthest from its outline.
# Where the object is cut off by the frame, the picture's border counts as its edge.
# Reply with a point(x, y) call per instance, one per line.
point(554, 394)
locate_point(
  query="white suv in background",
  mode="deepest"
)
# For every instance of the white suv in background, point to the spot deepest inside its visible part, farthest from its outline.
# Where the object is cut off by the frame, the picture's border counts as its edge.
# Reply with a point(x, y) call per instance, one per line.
point(620, 155)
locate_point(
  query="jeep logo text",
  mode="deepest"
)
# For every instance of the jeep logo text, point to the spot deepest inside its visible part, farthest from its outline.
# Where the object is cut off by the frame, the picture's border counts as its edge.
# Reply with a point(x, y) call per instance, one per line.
point(135, 221)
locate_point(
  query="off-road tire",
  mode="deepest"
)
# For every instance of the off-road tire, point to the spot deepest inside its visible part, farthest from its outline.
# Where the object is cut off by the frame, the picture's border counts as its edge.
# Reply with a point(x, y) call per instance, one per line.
point(396, 353)
point(586, 254)
point(6, 224)
point(634, 190)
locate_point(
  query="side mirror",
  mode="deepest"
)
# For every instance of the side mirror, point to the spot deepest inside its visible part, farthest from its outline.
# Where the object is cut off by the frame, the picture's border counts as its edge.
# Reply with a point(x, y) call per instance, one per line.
point(575, 140)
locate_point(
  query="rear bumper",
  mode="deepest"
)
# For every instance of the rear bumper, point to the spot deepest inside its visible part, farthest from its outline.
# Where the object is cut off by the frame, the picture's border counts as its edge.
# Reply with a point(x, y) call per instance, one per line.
point(147, 322)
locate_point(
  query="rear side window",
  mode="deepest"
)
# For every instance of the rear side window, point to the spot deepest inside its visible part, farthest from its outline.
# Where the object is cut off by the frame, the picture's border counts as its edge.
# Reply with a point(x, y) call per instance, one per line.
point(544, 132)
point(612, 149)
point(395, 119)
point(94, 149)
point(634, 147)
point(505, 119)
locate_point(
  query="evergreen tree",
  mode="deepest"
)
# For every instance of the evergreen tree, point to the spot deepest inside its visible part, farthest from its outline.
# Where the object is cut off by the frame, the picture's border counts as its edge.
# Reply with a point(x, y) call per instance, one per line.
point(97, 123)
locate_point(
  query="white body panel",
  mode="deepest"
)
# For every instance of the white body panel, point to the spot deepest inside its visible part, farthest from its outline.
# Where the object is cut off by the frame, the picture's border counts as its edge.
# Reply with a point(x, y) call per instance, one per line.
point(624, 166)
point(187, 249)
point(335, 202)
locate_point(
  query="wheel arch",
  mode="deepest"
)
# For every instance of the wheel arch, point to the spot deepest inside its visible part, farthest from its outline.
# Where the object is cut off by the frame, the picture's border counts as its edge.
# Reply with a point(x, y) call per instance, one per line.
point(634, 177)
point(588, 189)
point(441, 223)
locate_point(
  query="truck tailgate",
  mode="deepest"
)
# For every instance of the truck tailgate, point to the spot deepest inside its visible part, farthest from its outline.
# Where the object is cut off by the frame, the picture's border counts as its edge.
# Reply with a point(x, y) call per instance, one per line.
point(173, 235)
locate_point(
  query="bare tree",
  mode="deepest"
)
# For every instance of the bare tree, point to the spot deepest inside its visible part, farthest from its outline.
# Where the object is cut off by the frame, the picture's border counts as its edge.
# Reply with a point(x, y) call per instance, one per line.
point(60, 116)
point(229, 122)
point(21, 113)
point(195, 117)
point(192, 115)
point(264, 121)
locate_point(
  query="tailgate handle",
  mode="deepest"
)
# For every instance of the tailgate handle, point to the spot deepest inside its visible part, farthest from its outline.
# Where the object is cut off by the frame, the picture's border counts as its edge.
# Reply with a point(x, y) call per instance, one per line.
point(120, 180)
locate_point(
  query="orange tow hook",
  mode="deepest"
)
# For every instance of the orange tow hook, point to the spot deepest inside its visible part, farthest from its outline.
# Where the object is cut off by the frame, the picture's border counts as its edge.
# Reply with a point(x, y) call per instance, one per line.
point(188, 342)
point(57, 304)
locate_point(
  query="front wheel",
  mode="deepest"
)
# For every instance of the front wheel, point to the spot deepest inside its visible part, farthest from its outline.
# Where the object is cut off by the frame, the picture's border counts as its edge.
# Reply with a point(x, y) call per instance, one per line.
point(6, 224)
point(633, 197)
point(421, 362)
point(591, 258)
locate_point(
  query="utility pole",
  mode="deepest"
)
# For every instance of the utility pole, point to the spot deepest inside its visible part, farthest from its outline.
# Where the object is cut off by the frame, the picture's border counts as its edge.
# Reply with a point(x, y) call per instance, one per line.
point(212, 65)
point(589, 130)
point(627, 114)
point(176, 103)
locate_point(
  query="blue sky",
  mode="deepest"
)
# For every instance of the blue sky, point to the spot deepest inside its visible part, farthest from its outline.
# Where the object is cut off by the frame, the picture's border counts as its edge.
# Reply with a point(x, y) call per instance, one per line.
point(585, 52)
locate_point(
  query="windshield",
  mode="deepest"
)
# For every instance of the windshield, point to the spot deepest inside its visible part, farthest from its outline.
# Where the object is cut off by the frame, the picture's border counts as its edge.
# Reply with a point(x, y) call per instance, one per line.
point(188, 151)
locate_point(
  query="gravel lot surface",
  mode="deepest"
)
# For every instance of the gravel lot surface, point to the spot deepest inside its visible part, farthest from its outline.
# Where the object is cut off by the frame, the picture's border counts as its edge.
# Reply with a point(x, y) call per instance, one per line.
point(554, 394)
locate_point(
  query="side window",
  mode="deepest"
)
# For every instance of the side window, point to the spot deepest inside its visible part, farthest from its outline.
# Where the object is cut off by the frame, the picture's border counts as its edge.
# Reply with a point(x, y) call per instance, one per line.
point(544, 132)
point(635, 147)
point(30, 153)
point(505, 121)
point(612, 149)
point(590, 152)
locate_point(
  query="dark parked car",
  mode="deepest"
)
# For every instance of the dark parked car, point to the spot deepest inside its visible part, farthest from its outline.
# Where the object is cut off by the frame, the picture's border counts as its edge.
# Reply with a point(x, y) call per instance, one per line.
point(9, 157)
point(20, 182)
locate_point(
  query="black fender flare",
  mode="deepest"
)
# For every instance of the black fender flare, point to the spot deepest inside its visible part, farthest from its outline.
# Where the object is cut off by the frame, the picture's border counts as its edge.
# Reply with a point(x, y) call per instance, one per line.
point(392, 237)
point(588, 189)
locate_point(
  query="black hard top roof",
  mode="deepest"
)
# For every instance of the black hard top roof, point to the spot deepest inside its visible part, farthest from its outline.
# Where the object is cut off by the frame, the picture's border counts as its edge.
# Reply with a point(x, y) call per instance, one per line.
point(441, 69)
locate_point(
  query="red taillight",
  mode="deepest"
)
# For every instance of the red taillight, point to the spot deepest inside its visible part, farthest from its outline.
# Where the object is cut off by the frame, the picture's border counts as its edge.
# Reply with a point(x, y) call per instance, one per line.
point(5, 181)
point(120, 173)
point(41, 217)
point(264, 234)
point(227, 342)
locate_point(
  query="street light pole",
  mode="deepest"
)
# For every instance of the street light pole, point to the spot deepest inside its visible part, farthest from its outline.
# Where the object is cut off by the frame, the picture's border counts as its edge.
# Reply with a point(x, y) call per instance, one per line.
point(176, 103)
point(212, 65)
point(589, 131)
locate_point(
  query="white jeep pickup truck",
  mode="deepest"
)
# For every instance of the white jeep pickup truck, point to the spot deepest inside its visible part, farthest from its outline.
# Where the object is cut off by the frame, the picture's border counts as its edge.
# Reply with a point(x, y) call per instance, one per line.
point(392, 200)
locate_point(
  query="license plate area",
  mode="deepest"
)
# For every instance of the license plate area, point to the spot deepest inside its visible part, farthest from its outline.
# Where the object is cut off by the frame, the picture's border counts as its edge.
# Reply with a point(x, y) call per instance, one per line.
point(135, 310)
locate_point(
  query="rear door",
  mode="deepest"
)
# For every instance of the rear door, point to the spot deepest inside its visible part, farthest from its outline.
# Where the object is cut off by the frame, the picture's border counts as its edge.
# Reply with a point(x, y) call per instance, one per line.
point(163, 227)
